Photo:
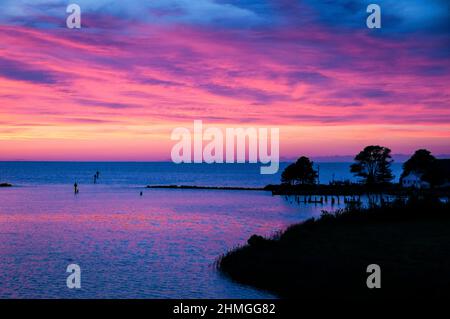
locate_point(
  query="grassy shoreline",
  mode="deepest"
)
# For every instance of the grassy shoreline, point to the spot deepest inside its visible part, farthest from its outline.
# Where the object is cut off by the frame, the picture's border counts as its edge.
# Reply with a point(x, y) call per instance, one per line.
point(328, 257)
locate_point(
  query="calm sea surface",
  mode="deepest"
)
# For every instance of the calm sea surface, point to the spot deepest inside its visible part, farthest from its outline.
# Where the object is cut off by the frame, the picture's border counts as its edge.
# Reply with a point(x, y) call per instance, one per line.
point(159, 245)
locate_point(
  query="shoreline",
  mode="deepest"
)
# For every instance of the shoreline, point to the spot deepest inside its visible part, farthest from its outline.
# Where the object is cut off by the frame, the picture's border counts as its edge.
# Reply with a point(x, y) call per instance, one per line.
point(353, 190)
point(328, 257)
point(237, 188)
point(319, 189)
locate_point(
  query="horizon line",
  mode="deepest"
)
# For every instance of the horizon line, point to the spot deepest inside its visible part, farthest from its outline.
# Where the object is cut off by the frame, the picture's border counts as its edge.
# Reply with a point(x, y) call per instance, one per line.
point(400, 157)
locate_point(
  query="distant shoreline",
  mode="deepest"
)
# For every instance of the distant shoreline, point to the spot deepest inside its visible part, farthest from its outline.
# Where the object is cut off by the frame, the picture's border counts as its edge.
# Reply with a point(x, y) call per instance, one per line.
point(398, 158)
point(207, 187)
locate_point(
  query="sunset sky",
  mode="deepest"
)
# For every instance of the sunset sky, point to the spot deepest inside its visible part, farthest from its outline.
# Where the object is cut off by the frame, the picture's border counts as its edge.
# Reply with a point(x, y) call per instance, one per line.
point(116, 88)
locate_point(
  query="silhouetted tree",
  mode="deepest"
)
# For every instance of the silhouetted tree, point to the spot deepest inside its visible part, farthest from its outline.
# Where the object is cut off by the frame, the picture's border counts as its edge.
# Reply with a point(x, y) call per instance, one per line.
point(438, 172)
point(420, 162)
point(288, 175)
point(301, 172)
point(373, 165)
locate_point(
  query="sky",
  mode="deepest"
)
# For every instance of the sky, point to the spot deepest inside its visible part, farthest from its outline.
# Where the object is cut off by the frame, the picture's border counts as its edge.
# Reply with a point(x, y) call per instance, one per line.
point(116, 88)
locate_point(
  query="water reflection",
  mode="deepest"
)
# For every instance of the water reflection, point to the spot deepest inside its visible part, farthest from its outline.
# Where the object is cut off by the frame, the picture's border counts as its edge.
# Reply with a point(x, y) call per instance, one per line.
point(159, 245)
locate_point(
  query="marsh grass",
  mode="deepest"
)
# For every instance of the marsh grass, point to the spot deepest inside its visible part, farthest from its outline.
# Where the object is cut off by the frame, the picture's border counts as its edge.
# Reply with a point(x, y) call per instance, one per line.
point(328, 256)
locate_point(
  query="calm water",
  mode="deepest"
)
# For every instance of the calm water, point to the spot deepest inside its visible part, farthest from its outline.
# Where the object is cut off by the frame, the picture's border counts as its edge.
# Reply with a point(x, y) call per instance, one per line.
point(160, 245)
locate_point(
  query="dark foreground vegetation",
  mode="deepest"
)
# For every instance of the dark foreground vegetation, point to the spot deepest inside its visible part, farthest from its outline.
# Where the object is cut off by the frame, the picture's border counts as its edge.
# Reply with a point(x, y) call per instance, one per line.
point(328, 257)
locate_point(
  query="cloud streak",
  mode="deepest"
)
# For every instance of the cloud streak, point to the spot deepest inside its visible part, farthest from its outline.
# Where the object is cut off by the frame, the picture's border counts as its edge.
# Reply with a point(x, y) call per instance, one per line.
point(258, 64)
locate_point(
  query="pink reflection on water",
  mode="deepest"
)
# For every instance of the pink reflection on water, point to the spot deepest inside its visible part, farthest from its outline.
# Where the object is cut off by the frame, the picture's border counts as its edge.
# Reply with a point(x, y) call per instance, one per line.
point(160, 245)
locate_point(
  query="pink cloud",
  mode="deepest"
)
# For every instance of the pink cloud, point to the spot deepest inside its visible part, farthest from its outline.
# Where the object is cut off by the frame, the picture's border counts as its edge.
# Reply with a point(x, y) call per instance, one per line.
point(90, 88)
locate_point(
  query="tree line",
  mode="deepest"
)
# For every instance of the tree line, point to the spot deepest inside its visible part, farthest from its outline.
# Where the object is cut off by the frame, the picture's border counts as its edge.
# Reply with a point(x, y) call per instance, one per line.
point(372, 166)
